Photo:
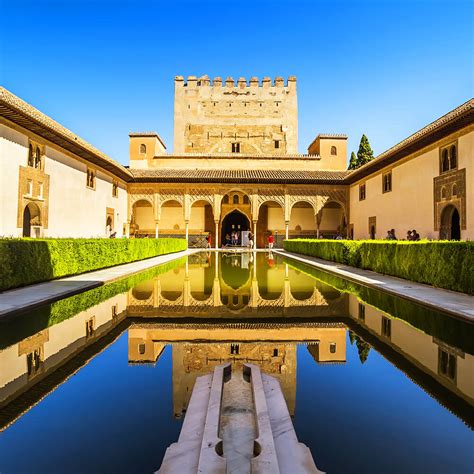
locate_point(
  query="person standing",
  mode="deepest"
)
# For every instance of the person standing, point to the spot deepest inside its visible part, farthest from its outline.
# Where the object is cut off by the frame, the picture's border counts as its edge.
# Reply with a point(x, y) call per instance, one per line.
point(208, 240)
point(271, 241)
point(250, 240)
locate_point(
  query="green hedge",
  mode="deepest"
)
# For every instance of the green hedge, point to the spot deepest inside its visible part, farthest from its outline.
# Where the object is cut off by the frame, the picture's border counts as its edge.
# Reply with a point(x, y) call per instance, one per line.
point(455, 332)
point(444, 264)
point(26, 324)
point(27, 261)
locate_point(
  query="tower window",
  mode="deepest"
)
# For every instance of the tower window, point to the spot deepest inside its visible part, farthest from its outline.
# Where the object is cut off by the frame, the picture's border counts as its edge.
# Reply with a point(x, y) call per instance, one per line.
point(275, 352)
point(277, 143)
point(31, 160)
point(361, 192)
point(234, 349)
point(142, 148)
point(333, 151)
point(386, 327)
point(90, 178)
point(235, 147)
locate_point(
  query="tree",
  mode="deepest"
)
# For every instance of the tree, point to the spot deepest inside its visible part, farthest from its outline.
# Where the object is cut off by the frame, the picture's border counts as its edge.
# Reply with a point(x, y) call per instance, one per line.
point(363, 348)
point(365, 153)
point(353, 162)
point(352, 337)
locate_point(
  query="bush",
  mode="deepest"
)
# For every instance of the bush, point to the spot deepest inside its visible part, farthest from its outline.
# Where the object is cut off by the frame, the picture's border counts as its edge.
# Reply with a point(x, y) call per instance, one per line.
point(453, 331)
point(444, 264)
point(27, 261)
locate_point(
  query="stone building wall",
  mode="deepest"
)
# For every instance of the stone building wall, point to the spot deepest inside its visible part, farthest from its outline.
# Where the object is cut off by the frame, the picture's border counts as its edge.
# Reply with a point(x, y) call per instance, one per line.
point(262, 118)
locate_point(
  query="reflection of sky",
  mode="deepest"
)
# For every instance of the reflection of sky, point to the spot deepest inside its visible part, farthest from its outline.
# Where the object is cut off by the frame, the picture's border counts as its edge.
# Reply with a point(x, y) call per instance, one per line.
point(108, 417)
point(372, 418)
point(115, 418)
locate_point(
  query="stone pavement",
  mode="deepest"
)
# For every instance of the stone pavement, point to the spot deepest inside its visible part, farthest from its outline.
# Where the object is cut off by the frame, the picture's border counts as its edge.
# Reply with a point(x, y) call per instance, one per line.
point(28, 297)
point(456, 304)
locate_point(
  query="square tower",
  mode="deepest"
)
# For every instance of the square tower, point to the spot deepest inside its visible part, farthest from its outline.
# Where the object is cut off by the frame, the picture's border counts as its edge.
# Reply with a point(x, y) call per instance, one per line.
point(244, 117)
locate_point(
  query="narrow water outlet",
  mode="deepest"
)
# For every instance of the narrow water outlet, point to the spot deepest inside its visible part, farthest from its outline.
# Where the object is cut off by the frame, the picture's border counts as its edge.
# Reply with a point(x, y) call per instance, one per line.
point(238, 427)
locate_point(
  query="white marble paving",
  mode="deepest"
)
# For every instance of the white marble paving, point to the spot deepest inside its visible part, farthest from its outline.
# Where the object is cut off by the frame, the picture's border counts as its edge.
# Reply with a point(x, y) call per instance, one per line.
point(457, 304)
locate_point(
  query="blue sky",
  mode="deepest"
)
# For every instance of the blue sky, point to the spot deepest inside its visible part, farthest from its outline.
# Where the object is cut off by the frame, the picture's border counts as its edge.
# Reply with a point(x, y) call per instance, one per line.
point(104, 68)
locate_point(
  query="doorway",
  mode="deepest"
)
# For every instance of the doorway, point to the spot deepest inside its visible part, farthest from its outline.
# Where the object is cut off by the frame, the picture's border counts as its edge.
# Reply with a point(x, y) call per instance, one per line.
point(450, 224)
point(234, 222)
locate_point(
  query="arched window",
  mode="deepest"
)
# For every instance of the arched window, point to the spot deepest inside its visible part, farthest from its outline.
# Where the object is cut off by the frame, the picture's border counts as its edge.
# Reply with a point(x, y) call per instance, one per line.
point(246, 200)
point(454, 190)
point(235, 199)
point(31, 161)
point(38, 158)
point(453, 157)
point(333, 151)
point(443, 193)
point(226, 199)
point(143, 148)
point(444, 161)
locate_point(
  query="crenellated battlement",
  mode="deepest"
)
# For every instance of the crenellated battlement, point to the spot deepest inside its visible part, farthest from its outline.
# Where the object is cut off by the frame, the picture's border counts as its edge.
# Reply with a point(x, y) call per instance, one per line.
point(229, 82)
point(244, 115)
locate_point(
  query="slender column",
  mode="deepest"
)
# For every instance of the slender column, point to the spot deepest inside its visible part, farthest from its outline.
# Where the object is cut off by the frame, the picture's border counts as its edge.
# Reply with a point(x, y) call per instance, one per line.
point(187, 231)
point(127, 230)
point(287, 224)
point(216, 244)
point(156, 229)
point(255, 235)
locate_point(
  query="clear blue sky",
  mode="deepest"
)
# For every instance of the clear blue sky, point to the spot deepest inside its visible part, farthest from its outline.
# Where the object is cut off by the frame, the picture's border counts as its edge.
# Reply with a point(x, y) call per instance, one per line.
point(104, 68)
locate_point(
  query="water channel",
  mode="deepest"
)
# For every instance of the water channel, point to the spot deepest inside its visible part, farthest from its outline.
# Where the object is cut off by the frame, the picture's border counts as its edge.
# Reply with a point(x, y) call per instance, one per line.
point(100, 381)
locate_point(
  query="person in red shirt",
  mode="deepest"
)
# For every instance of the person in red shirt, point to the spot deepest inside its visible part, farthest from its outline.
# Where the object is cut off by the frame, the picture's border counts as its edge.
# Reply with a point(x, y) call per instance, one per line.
point(271, 241)
point(209, 241)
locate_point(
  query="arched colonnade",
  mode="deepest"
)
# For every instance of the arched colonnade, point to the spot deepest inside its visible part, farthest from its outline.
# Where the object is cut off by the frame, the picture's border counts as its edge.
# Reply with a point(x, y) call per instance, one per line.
point(192, 213)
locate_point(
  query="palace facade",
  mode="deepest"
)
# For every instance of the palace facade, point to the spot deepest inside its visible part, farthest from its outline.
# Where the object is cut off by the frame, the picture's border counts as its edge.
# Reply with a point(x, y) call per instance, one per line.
point(234, 167)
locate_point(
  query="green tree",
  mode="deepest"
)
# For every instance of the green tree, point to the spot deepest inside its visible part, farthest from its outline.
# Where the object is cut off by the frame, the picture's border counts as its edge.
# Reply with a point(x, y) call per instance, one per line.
point(363, 348)
point(353, 162)
point(365, 153)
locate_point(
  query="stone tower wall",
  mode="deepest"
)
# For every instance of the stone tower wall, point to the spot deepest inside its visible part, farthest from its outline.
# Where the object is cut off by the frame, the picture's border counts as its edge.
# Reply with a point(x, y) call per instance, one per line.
point(261, 117)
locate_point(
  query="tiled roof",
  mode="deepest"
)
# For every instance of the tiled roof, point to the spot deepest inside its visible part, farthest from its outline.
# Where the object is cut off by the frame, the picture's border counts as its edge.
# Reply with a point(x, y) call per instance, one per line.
point(238, 176)
point(22, 113)
point(457, 119)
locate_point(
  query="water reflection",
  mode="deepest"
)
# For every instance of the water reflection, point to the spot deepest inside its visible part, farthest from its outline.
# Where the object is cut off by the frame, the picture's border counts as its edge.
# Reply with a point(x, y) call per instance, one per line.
point(267, 310)
point(236, 285)
point(198, 348)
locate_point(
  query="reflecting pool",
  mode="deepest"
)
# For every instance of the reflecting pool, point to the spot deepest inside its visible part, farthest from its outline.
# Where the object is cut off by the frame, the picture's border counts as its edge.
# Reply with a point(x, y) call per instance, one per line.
point(100, 382)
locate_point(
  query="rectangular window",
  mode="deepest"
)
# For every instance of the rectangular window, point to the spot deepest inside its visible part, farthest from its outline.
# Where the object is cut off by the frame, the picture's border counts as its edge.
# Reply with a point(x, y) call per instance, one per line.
point(361, 312)
point(446, 364)
point(362, 192)
point(235, 147)
point(115, 189)
point(277, 144)
point(387, 182)
point(40, 190)
point(90, 183)
point(29, 190)
point(386, 327)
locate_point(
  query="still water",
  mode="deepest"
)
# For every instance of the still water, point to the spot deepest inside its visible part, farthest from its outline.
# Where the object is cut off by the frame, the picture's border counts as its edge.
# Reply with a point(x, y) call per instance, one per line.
point(100, 382)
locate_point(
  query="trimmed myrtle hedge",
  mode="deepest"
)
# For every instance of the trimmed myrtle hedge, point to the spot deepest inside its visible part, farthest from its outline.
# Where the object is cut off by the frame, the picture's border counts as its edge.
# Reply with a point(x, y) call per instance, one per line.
point(444, 264)
point(453, 331)
point(27, 261)
point(26, 324)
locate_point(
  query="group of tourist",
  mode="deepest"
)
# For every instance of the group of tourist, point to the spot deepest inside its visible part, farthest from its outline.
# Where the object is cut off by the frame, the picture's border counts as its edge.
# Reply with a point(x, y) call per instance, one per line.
point(412, 235)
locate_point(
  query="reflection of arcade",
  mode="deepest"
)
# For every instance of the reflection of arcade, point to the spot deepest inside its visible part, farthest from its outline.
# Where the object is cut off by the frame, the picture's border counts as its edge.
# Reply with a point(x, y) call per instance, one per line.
point(243, 284)
point(198, 348)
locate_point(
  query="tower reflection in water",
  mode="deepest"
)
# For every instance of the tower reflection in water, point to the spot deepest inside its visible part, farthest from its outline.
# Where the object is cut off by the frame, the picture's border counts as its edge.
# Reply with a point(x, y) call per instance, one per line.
point(238, 308)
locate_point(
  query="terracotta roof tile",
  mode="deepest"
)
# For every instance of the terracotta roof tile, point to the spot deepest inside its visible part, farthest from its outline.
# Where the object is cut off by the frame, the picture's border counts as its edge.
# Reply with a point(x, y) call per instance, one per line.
point(237, 176)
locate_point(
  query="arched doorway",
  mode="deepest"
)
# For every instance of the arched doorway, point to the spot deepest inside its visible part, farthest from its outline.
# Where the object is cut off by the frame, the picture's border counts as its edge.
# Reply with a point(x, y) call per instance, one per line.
point(271, 219)
point(235, 222)
point(31, 217)
point(332, 220)
point(450, 224)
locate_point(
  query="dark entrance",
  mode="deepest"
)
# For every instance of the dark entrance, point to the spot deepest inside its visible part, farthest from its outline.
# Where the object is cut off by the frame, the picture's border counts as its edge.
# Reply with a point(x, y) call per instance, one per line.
point(450, 224)
point(27, 222)
point(233, 222)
